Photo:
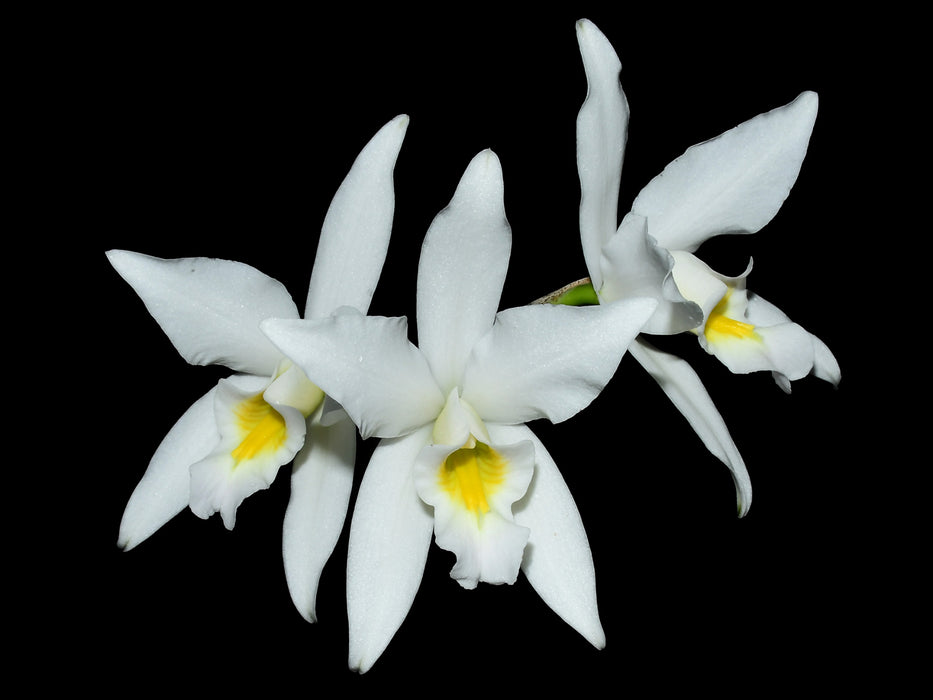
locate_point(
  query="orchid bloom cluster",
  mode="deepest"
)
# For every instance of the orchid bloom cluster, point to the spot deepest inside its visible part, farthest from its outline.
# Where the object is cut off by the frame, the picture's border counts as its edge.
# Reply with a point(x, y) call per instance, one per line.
point(455, 459)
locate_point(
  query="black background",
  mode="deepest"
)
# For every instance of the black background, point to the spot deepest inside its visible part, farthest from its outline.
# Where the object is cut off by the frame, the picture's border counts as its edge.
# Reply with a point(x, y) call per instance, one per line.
point(225, 134)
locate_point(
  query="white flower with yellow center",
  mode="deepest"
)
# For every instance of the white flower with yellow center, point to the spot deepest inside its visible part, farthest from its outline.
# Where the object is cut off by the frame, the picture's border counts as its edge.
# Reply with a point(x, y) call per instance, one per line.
point(747, 333)
point(734, 183)
point(232, 442)
point(451, 414)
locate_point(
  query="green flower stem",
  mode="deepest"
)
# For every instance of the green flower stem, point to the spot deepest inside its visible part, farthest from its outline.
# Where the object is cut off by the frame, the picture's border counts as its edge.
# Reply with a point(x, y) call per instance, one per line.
point(579, 293)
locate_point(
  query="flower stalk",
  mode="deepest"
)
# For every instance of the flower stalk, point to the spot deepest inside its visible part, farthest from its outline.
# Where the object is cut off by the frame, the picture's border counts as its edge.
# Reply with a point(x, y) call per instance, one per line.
point(579, 293)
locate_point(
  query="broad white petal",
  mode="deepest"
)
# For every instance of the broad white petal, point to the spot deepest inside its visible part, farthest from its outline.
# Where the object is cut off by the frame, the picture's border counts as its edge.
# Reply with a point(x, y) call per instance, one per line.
point(162, 493)
point(210, 309)
point(367, 364)
point(558, 562)
point(634, 265)
point(355, 234)
point(462, 269)
point(322, 478)
point(390, 534)
point(550, 361)
point(602, 126)
point(685, 390)
point(734, 183)
point(256, 439)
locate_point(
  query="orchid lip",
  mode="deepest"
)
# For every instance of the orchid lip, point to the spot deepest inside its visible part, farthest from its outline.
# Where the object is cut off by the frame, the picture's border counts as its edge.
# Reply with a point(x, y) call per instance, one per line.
point(471, 474)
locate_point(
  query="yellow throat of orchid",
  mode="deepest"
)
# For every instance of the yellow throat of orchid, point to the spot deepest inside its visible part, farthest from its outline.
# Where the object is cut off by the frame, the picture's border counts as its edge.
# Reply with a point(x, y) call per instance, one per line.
point(719, 325)
point(261, 429)
point(471, 474)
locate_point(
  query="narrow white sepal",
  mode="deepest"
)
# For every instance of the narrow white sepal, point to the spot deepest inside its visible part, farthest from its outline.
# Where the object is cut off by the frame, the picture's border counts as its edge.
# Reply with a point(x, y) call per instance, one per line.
point(321, 482)
point(462, 269)
point(162, 493)
point(390, 534)
point(685, 390)
point(602, 126)
point(356, 230)
point(558, 562)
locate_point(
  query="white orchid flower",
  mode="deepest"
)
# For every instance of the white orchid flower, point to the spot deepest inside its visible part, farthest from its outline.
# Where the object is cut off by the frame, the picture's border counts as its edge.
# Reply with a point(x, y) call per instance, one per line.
point(456, 457)
point(232, 442)
point(747, 333)
point(734, 183)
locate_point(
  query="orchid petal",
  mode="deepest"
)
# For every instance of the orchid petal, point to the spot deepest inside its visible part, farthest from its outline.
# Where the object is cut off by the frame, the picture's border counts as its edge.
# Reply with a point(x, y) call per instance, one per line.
point(472, 491)
point(684, 388)
point(734, 183)
point(462, 269)
point(390, 534)
point(825, 365)
point(256, 439)
point(162, 493)
point(764, 313)
point(633, 265)
point(602, 126)
point(322, 478)
point(355, 235)
point(786, 349)
point(368, 365)
point(547, 361)
point(702, 285)
point(210, 309)
point(558, 562)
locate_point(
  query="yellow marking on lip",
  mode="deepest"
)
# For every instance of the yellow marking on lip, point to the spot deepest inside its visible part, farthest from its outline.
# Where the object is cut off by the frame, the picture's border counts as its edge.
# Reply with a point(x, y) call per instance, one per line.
point(471, 474)
point(263, 429)
point(720, 324)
